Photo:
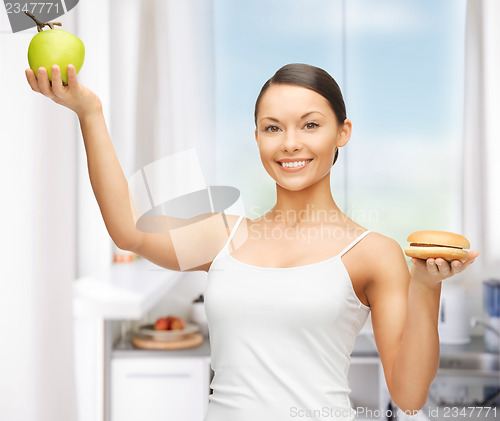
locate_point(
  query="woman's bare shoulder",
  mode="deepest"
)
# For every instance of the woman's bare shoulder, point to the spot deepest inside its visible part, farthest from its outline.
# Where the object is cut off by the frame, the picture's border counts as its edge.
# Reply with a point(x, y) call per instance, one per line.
point(379, 247)
point(384, 255)
point(381, 240)
point(382, 262)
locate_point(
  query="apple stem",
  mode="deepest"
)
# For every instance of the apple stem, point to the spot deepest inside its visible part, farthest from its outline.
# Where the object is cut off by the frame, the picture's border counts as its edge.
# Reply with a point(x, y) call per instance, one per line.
point(40, 25)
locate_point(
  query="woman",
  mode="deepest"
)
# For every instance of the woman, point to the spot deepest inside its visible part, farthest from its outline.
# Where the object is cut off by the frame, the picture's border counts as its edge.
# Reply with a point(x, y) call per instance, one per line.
point(287, 293)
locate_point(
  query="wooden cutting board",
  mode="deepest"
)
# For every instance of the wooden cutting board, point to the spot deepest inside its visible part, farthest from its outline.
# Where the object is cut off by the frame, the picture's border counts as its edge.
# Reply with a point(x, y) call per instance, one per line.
point(189, 341)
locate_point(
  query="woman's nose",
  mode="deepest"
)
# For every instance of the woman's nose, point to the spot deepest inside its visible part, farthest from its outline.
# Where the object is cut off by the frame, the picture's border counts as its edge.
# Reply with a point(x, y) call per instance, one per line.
point(291, 141)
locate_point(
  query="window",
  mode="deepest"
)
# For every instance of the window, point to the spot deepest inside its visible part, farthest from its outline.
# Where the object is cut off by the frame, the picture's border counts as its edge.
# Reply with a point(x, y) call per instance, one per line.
point(400, 67)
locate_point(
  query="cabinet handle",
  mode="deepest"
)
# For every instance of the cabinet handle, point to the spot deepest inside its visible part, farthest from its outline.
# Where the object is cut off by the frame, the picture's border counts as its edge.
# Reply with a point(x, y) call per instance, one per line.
point(158, 375)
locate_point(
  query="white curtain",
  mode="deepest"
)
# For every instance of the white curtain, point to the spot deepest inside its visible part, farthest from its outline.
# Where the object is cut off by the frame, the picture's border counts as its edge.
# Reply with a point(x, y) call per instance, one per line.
point(481, 148)
point(38, 247)
point(481, 152)
point(175, 100)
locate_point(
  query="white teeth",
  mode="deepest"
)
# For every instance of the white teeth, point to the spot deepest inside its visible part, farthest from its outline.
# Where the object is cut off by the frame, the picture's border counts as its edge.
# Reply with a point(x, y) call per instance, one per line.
point(295, 164)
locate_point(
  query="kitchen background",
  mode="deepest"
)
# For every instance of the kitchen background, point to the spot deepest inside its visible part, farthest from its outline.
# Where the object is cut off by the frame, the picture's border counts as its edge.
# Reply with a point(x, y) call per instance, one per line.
point(421, 88)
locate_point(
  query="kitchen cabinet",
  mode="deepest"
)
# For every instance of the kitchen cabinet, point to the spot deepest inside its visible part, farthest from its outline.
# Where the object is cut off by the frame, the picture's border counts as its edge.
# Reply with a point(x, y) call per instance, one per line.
point(120, 292)
point(159, 388)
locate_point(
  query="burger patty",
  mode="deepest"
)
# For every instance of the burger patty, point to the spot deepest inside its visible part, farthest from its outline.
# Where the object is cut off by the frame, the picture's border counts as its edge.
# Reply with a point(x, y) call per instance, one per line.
point(433, 245)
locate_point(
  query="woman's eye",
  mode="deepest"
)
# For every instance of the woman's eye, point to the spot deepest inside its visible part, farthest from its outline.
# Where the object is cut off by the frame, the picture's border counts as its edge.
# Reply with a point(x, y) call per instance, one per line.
point(272, 129)
point(311, 125)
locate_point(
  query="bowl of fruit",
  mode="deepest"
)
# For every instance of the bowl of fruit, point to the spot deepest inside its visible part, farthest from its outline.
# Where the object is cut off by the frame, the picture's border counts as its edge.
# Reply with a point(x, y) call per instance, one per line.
point(170, 328)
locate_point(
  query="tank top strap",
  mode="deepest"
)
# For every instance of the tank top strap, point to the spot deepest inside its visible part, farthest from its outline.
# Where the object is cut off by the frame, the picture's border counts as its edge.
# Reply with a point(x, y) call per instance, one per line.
point(353, 243)
point(233, 231)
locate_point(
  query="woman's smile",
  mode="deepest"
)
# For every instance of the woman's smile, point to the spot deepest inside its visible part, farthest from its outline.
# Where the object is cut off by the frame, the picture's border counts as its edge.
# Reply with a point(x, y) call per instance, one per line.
point(293, 165)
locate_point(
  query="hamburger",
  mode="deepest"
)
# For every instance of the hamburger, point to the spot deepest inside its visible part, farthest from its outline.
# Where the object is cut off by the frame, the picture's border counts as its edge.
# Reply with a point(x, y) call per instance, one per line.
point(434, 244)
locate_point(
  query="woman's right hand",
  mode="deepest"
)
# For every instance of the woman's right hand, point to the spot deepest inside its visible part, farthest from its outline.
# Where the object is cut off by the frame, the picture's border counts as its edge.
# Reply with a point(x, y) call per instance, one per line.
point(74, 96)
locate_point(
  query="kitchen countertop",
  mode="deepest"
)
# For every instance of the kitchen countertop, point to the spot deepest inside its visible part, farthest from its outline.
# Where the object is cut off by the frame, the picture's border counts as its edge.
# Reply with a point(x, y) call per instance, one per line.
point(202, 350)
point(122, 291)
point(476, 345)
point(364, 347)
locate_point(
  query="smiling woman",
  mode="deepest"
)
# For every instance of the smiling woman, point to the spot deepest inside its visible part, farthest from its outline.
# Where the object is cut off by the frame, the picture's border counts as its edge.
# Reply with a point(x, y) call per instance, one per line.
point(286, 347)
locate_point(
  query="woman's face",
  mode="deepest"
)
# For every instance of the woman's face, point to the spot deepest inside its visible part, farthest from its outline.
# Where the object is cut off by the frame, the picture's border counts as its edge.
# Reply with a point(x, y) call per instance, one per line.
point(296, 124)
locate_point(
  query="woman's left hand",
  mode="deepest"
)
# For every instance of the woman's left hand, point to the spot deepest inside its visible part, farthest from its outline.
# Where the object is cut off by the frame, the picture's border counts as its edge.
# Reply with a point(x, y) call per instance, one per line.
point(432, 272)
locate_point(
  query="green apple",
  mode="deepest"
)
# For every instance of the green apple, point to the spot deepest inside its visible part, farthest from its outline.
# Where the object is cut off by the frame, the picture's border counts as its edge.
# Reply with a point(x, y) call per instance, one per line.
point(56, 46)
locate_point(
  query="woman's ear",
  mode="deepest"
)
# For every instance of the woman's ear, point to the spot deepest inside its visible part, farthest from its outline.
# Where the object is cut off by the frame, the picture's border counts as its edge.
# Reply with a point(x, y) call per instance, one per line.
point(345, 133)
point(255, 134)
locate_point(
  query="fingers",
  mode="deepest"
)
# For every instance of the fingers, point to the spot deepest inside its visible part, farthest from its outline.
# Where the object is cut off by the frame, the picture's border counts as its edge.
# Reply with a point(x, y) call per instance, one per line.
point(30, 75)
point(456, 266)
point(470, 258)
point(40, 83)
point(72, 78)
point(57, 84)
point(432, 267)
point(429, 265)
point(472, 255)
point(459, 266)
point(436, 267)
point(43, 83)
point(443, 267)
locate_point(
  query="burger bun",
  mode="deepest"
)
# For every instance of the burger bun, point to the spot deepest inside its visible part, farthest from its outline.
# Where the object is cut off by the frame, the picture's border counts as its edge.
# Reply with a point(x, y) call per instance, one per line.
point(445, 253)
point(435, 244)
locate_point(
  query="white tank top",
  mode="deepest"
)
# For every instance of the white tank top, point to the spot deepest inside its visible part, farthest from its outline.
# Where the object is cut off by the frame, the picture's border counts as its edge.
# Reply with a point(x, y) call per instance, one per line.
point(281, 339)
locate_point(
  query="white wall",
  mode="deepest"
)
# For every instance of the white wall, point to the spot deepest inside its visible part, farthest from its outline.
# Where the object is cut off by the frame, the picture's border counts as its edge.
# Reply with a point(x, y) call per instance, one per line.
point(37, 252)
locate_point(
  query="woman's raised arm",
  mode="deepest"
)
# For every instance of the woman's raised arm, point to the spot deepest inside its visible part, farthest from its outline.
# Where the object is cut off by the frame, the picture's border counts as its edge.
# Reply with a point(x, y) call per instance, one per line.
point(190, 247)
point(106, 176)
